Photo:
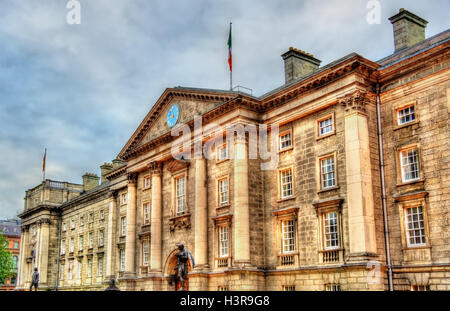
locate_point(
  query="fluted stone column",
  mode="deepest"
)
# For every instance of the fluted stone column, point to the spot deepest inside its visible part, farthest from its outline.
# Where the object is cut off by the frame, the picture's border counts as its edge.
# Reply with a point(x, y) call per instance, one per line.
point(241, 206)
point(359, 175)
point(110, 251)
point(43, 250)
point(156, 218)
point(130, 239)
point(201, 215)
point(22, 256)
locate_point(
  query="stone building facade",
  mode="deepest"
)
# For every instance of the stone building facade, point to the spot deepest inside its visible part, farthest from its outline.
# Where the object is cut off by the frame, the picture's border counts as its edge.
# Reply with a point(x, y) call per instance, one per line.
point(358, 199)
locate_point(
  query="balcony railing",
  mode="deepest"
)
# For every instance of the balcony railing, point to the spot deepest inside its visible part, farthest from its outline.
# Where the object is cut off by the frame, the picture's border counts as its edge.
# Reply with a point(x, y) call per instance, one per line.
point(288, 259)
point(223, 262)
point(331, 256)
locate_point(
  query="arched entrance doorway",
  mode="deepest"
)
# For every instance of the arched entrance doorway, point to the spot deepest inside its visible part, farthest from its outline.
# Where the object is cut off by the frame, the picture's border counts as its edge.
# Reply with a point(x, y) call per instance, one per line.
point(170, 271)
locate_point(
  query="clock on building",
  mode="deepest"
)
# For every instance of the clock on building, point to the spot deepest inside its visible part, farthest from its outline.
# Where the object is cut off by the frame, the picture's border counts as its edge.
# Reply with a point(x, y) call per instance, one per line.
point(172, 115)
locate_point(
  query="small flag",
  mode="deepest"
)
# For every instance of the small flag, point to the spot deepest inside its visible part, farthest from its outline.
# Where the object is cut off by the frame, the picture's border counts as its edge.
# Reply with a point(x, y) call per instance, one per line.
point(43, 160)
point(230, 61)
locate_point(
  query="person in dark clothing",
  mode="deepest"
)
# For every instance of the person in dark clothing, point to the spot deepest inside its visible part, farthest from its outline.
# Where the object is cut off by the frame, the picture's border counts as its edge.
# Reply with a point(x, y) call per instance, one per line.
point(35, 280)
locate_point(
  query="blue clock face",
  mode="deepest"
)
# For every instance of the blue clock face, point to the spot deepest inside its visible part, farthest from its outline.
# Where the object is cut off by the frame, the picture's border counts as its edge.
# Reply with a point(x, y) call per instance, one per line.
point(172, 115)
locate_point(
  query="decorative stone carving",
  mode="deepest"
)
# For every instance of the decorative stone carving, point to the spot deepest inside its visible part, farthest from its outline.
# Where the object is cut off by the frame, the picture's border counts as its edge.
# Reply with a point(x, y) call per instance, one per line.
point(180, 222)
point(355, 101)
point(155, 167)
point(132, 178)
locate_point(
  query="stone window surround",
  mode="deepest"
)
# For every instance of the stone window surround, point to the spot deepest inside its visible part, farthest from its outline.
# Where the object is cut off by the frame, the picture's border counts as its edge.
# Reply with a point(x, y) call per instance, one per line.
point(319, 172)
point(398, 164)
point(283, 133)
point(218, 148)
point(279, 186)
point(220, 221)
point(218, 180)
point(144, 179)
point(408, 201)
point(322, 118)
point(101, 233)
point(176, 175)
point(400, 106)
point(281, 215)
point(123, 198)
point(323, 207)
point(144, 220)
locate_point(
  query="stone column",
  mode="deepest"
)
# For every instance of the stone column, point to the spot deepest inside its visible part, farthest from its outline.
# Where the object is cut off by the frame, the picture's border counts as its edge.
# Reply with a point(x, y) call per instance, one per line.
point(359, 175)
point(22, 256)
point(201, 215)
point(43, 250)
point(110, 251)
point(130, 239)
point(156, 218)
point(241, 206)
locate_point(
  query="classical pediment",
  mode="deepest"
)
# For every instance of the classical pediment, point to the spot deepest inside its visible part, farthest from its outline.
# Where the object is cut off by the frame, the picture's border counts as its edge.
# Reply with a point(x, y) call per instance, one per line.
point(191, 102)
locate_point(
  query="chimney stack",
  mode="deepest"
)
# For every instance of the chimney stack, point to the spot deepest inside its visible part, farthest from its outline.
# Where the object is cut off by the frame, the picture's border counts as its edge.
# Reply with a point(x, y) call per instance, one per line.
point(298, 64)
point(105, 169)
point(409, 29)
point(90, 181)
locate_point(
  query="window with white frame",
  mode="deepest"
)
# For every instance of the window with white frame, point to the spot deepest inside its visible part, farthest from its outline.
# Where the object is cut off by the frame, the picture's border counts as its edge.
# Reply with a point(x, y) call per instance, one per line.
point(325, 126)
point(124, 198)
point(288, 288)
point(180, 195)
point(147, 182)
point(102, 214)
point(410, 164)
point(64, 227)
point(122, 260)
point(406, 115)
point(72, 244)
point(415, 226)
point(285, 140)
point(101, 237)
point(72, 224)
point(100, 266)
point(333, 287)
point(63, 247)
point(80, 269)
point(145, 252)
point(89, 268)
point(123, 226)
point(330, 230)
point(81, 221)
point(70, 270)
point(91, 239)
point(146, 212)
point(286, 183)
point(223, 191)
point(223, 241)
point(91, 217)
point(287, 231)
point(327, 172)
point(222, 152)
point(61, 272)
point(80, 244)
point(420, 288)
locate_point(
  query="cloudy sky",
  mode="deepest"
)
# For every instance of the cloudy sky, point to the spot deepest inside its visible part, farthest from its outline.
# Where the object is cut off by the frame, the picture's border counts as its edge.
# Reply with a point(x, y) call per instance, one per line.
point(81, 90)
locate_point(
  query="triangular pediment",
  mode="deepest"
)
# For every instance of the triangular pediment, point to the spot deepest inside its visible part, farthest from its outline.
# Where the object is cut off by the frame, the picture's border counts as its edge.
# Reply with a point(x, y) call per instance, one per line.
point(191, 102)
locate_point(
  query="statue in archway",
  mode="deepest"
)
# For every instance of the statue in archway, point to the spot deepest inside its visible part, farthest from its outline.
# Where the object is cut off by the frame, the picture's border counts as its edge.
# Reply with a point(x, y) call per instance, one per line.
point(183, 256)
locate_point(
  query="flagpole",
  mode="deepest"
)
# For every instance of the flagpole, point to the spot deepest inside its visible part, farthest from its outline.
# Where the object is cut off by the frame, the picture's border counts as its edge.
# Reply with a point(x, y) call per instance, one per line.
point(230, 51)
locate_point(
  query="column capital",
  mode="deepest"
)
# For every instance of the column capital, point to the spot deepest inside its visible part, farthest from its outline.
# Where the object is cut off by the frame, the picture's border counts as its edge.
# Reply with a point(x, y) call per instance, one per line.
point(132, 178)
point(355, 101)
point(155, 167)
